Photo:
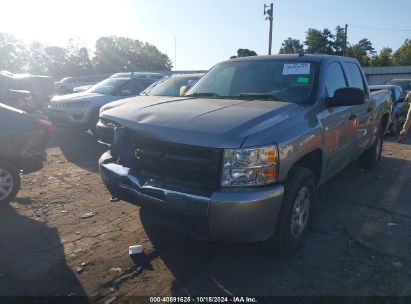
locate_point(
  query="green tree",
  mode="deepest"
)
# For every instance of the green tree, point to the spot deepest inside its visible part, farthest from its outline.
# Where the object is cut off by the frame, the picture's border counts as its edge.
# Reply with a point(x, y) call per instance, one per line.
point(77, 60)
point(56, 61)
point(362, 51)
point(402, 56)
point(319, 42)
point(339, 40)
point(37, 59)
point(116, 54)
point(291, 46)
point(12, 53)
point(384, 58)
point(244, 53)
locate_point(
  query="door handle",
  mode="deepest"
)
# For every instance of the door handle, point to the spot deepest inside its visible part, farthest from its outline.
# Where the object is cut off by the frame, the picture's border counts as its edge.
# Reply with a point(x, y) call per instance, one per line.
point(353, 116)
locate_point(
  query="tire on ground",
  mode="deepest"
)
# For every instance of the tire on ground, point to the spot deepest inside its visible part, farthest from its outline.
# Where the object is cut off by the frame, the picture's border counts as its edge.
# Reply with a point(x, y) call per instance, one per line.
point(370, 158)
point(5, 166)
point(284, 241)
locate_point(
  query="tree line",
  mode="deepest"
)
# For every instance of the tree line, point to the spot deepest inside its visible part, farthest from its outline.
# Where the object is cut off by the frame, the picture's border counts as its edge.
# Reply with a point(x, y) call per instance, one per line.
point(326, 42)
point(112, 54)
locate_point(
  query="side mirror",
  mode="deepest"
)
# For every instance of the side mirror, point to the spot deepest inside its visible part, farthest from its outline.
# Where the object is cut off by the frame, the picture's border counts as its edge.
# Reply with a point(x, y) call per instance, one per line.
point(183, 90)
point(347, 97)
point(125, 92)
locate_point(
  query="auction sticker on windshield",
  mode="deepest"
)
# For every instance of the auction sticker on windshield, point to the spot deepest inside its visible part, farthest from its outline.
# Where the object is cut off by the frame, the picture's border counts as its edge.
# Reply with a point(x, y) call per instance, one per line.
point(296, 69)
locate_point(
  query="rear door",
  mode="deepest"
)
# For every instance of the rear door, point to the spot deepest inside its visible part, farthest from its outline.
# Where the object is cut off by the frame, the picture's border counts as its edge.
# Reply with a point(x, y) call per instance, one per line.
point(339, 124)
point(363, 112)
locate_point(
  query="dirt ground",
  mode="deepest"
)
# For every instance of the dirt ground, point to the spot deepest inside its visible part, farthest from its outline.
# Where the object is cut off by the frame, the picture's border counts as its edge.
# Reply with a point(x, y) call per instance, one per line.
point(62, 236)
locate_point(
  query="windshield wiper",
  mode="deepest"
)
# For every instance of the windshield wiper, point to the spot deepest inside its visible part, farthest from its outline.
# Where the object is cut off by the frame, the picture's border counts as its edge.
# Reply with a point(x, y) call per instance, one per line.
point(204, 94)
point(259, 96)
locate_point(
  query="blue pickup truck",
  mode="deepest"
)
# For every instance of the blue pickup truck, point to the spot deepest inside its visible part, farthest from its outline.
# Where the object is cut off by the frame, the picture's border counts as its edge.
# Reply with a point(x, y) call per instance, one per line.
point(240, 156)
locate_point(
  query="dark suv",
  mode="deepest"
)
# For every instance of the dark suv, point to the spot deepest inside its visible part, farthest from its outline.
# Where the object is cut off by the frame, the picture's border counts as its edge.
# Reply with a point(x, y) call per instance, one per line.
point(23, 138)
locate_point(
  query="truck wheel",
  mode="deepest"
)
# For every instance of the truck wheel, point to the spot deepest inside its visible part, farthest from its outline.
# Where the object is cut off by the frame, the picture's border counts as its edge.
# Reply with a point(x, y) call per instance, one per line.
point(370, 158)
point(296, 212)
point(393, 129)
point(9, 182)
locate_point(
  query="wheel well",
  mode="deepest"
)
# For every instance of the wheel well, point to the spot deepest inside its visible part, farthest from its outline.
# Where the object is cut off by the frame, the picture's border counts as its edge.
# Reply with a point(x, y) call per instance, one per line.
point(384, 120)
point(313, 162)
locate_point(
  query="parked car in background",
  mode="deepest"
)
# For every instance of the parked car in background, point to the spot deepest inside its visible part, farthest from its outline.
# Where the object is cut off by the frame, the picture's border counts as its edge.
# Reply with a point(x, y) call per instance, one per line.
point(167, 86)
point(81, 110)
point(239, 157)
point(82, 88)
point(399, 106)
point(41, 88)
point(67, 84)
point(405, 84)
point(38, 90)
point(23, 138)
point(171, 85)
point(151, 75)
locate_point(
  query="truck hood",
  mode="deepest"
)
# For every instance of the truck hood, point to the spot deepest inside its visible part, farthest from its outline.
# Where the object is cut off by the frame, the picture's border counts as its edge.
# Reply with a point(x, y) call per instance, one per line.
point(219, 123)
point(144, 100)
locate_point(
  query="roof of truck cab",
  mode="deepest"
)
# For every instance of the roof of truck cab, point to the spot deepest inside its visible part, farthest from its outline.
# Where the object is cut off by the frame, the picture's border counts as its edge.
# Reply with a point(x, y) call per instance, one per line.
point(306, 57)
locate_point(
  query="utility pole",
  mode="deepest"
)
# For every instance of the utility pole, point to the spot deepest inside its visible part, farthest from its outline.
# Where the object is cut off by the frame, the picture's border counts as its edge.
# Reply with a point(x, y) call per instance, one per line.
point(269, 17)
point(345, 39)
point(175, 52)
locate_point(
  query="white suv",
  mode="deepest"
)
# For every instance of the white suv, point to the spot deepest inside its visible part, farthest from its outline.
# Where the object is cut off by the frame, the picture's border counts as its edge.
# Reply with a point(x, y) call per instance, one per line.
point(81, 110)
point(67, 84)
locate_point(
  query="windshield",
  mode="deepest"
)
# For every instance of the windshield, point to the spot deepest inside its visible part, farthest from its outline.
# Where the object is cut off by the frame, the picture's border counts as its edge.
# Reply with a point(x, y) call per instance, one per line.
point(169, 86)
point(108, 86)
point(283, 80)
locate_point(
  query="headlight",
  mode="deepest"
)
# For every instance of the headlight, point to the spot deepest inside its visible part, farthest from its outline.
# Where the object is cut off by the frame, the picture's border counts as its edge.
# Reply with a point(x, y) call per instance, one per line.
point(250, 167)
point(77, 104)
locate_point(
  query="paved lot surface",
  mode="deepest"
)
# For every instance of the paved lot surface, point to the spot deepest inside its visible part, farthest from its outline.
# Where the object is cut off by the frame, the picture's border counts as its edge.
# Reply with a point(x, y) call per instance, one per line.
point(62, 236)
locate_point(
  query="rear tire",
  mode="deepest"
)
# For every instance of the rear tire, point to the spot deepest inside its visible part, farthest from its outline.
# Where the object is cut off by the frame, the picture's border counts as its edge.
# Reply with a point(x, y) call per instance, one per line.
point(395, 125)
point(9, 182)
point(296, 212)
point(370, 158)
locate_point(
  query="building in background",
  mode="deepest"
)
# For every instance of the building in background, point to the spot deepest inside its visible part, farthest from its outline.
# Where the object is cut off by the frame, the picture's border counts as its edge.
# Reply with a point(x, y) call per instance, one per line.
point(380, 75)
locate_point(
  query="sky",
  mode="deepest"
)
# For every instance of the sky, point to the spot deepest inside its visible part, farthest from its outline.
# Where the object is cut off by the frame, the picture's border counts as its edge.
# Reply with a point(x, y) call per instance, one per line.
point(198, 34)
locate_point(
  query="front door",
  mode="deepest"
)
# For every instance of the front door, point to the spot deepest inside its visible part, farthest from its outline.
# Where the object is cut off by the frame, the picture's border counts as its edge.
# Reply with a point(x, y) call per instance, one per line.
point(340, 125)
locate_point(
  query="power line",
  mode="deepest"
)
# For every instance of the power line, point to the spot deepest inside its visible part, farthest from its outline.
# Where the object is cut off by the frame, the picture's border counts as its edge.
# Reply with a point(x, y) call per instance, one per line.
point(379, 29)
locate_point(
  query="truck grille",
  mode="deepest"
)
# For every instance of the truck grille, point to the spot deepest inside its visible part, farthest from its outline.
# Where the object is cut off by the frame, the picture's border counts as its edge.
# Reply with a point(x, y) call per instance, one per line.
point(177, 166)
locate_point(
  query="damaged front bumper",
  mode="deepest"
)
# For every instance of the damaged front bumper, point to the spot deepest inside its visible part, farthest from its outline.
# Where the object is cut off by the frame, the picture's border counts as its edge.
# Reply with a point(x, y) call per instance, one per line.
point(234, 215)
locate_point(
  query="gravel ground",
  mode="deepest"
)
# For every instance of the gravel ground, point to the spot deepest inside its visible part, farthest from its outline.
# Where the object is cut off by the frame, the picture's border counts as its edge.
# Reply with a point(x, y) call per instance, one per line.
point(62, 236)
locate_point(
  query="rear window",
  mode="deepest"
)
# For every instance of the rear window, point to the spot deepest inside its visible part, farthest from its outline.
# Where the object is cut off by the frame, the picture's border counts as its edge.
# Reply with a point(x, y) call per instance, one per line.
point(354, 76)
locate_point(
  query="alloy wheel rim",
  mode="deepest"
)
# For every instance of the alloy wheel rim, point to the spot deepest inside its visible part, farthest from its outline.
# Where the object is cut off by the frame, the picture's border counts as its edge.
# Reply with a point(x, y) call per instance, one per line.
point(301, 212)
point(6, 183)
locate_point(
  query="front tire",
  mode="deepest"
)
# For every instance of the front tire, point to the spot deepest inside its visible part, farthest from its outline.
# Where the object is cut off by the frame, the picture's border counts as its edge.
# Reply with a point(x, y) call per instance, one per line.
point(9, 182)
point(296, 212)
